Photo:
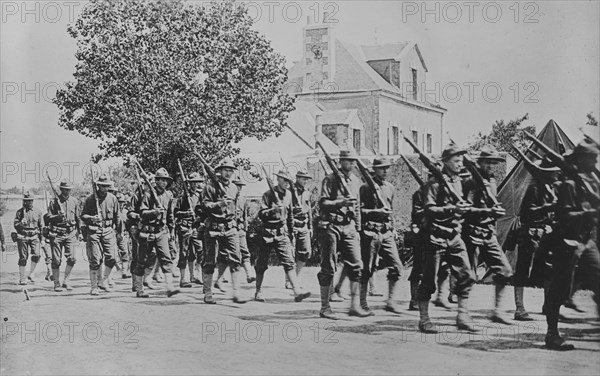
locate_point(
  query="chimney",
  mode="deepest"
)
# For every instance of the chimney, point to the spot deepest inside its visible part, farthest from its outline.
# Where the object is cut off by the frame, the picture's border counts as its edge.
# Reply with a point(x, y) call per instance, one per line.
point(318, 128)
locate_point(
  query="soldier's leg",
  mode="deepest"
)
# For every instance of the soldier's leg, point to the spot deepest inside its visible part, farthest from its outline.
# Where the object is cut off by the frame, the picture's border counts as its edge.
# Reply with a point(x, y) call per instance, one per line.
point(57, 252)
point(589, 264)
point(231, 251)
point(458, 259)
point(163, 253)
point(443, 282)
point(185, 248)
point(525, 253)
point(431, 256)
point(261, 266)
point(370, 242)
point(34, 248)
point(108, 242)
point(94, 255)
point(195, 258)
point(415, 275)
point(284, 249)
point(303, 248)
point(496, 261)
point(391, 258)
point(337, 295)
point(174, 255)
point(328, 239)
point(70, 248)
point(47, 254)
point(23, 256)
point(245, 251)
point(209, 262)
point(349, 244)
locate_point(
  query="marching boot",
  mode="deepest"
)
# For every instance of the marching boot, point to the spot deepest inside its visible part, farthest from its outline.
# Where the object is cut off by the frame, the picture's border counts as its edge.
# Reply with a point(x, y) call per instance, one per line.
point(138, 281)
point(198, 272)
point(258, 296)
point(94, 282)
point(105, 284)
point(148, 279)
point(553, 339)
point(125, 274)
point(520, 312)
point(299, 266)
point(249, 272)
point(183, 283)
point(338, 287)
point(288, 284)
point(355, 309)
point(425, 324)
point(169, 281)
point(48, 276)
point(391, 305)
point(194, 275)
point(364, 289)
point(293, 278)
point(452, 298)
point(31, 276)
point(220, 271)
point(440, 301)
point(56, 275)
point(236, 278)
point(326, 311)
point(22, 278)
point(372, 289)
point(463, 320)
point(207, 288)
point(497, 315)
point(413, 306)
point(66, 281)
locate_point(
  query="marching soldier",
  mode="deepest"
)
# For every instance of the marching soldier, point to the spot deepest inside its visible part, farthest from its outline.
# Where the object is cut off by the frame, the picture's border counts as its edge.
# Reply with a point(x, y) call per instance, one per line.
point(480, 227)
point(241, 216)
point(101, 214)
point(378, 236)
point(187, 223)
point(577, 216)
point(221, 235)
point(338, 233)
point(417, 218)
point(28, 224)
point(442, 237)
point(123, 238)
point(157, 226)
point(133, 226)
point(302, 215)
point(63, 216)
point(276, 214)
point(537, 219)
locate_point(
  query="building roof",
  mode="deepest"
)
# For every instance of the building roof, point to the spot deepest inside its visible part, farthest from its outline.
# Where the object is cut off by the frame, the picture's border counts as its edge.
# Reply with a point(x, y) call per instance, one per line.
point(384, 51)
point(338, 116)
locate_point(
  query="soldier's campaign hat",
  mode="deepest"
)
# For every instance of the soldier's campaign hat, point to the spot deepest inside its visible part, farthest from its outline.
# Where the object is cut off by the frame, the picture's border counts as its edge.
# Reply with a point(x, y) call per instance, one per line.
point(490, 153)
point(303, 174)
point(284, 175)
point(195, 178)
point(225, 163)
point(238, 181)
point(583, 148)
point(121, 197)
point(452, 150)
point(104, 180)
point(112, 188)
point(348, 154)
point(162, 174)
point(64, 184)
point(381, 162)
point(27, 196)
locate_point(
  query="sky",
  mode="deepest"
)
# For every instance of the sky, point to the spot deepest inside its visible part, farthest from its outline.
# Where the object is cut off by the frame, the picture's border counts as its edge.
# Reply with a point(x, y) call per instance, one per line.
point(487, 61)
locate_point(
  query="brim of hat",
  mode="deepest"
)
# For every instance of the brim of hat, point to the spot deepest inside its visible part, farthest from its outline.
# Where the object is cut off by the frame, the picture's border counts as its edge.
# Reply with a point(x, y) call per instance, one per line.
point(286, 177)
point(196, 180)
point(220, 167)
point(163, 177)
point(241, 183)
point(460, 152)
point(385, 165)
point(29, 199)
point(303, 176)
point(492, 158)
point(67, 187)
point(348, 158)
point(105, 183)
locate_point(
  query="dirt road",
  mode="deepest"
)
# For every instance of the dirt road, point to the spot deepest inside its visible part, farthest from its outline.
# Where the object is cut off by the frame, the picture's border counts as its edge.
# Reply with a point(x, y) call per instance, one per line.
point(115, 333)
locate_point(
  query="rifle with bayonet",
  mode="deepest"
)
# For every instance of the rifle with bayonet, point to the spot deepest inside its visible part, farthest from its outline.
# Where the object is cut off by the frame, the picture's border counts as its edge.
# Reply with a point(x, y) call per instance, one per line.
point(533, 169)
point(271, 187)
point(436, 171)
point(569, 170)
point(212, 175)
point(186, 189)
point(343, 187)
point(95, 189)
point(153, 193)
point(56, 195)
point(472, 167)
point(413, 171)
point(295, 201)
point(375, 188)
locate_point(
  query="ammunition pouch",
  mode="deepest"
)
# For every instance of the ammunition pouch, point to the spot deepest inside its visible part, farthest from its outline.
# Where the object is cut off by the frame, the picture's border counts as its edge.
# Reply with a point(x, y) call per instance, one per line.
point(29, 233)
point(443, 232)
point(219, 228)
point(478, 235)
point(270, 233)
point(149, 229)
point(300, 223)
point(339, 220)
point(377, 227)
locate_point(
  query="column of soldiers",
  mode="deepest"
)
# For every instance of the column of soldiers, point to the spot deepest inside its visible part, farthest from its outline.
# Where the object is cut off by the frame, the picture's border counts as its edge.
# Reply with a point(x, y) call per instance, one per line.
point(453, 224)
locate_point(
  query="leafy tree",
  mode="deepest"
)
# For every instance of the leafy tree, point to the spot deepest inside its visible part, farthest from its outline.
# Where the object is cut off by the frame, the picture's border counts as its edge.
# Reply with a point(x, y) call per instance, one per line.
point(504, 135)
point(591, 120)
point(157, 80)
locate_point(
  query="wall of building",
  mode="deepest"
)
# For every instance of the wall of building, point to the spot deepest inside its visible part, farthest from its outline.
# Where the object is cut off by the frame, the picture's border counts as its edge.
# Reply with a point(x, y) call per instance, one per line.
point(409, 62)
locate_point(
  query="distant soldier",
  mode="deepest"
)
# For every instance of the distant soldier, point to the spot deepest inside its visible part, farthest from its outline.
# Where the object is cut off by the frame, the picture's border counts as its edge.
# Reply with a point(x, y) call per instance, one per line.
point(123, 237)
point(577, 215)
point(28, 224)
point(417, 219)
point(378, 235)
point(187, 223)
point(221, 235)
point(157, 226)
point(536, 235)
point(442, 238)
point(133, 225)
point(276, 215)
point(64, 219)
point(303, 219)
point(338, 233)
point(241, 217)
point(101, 214)
point(480, 227)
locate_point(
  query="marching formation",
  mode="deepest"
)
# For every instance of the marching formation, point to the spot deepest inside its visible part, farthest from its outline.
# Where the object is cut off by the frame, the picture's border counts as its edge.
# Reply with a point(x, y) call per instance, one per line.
point(453, 231)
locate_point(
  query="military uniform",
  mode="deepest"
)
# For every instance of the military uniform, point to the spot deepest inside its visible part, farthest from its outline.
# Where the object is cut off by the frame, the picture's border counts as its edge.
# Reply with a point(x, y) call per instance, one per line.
point(157, 223)
point(378, 237)
point(123, 238)
point(302, 223)
point(241, 218)
point(64, 218)
point(417, 217)
point(442, 238)
point(132, 225)
point(577, 216)
point(101, 242)
point(28, 224)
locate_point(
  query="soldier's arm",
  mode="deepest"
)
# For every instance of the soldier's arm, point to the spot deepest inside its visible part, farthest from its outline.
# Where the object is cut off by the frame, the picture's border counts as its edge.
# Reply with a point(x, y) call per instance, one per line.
point(430, 202)
point(310, 212)
point(568, 208)
point(210, 200)
point(326, 202)
point(171, 215)
point(18, 217)
point(470, 190)
point(145, 211)
point(266, 210)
